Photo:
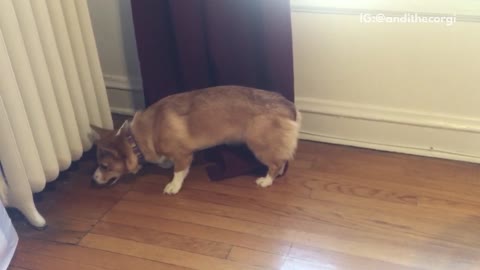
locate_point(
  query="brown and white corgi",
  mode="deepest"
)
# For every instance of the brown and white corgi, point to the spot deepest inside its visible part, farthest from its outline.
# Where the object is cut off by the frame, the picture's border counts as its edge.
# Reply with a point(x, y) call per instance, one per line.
point(172, 129)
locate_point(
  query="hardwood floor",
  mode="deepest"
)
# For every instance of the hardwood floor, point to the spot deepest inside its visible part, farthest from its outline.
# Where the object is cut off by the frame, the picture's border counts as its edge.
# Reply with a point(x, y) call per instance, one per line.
point(337, 208)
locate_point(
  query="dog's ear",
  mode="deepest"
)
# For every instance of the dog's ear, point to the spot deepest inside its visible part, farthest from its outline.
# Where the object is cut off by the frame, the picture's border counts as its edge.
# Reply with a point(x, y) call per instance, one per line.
point(136, 115)
point(124, 127)
point(99, 133)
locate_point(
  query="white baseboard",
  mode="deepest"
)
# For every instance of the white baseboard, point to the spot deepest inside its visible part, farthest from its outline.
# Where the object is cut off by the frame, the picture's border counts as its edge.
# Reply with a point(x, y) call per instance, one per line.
point(123, 111)
point(416, 133)
point(125, 94)
point(123, 82)
point(125, 102)
point(381, 128)
point(388, 115)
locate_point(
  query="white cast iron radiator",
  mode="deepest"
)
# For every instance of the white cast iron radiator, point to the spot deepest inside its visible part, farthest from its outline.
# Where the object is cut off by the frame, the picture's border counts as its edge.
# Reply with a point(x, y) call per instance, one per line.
point(51, 90)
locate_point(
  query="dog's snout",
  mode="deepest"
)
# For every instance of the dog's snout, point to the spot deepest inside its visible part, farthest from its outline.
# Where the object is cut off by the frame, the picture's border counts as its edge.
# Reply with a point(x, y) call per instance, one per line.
point(94, 183)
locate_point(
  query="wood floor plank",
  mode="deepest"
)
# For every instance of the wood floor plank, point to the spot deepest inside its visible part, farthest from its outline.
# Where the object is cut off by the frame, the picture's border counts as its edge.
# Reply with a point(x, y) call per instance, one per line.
point(396, 191)
point(334, 199)
point(364, 188)
point(374, 217)
point(323, 258)
point(79, 206)
point(296, 264)
point(415, 171)
point(301, 164)
point(16, 268)
point(393, 225)
point(94, 257)
point(397, 250)
point(69, 218)
point(442, 201)
point(333, 204)
point(270, 211)
point(35, 261)
point(199, 231)
point(161, 254)
point(306, 156)
point(80, 186)
point(302, 182)
point(264, 213)
point(256, 258)
point(270, 207)
point(199, 218)
point(163, 239)
point(209, 207)
point(282, 185)
point(60, 228)
point(338, 207)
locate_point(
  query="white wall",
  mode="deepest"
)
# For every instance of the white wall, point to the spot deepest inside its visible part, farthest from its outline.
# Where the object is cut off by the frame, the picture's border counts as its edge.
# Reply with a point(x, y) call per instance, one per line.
point(113, 27)
point(402, 87)
point(410, 88)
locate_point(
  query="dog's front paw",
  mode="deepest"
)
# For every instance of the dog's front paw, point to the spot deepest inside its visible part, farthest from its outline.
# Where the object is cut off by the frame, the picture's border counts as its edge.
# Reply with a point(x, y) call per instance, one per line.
point(264, 181)
point(172, 188)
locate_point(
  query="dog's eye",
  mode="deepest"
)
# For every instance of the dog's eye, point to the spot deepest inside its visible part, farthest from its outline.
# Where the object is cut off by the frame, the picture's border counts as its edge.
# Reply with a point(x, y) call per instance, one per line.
point(104, 166)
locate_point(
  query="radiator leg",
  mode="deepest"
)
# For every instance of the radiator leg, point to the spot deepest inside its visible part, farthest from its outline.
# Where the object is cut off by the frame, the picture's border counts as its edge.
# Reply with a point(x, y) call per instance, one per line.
point(15, 188)
point(33, 216)
point(18, 199)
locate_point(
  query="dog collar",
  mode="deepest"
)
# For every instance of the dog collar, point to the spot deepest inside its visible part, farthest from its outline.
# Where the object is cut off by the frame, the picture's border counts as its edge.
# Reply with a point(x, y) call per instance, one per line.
point(133, 143)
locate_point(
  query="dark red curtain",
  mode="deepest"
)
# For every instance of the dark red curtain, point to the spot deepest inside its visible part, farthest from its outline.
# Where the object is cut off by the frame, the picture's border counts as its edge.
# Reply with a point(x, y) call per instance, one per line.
point(191, 44)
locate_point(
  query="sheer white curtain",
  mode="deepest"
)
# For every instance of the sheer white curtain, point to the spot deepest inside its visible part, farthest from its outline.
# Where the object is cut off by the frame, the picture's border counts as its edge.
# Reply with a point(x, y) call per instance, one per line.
point(8, 237)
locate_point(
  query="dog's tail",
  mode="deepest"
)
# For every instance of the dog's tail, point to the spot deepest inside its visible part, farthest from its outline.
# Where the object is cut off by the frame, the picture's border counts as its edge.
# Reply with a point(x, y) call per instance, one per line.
point(298, 118)
point(297, 125)
point(292, 127)
point(295, 131)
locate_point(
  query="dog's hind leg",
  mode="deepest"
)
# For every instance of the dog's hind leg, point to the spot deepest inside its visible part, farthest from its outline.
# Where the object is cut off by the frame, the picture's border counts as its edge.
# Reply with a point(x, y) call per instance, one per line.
point(272, 157)
point(273, 171)
point(283, 170)
point(273, 141)
point(182, 166)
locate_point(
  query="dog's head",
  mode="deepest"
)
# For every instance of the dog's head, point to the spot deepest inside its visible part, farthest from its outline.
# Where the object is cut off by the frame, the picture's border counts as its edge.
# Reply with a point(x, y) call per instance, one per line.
point(115, 157)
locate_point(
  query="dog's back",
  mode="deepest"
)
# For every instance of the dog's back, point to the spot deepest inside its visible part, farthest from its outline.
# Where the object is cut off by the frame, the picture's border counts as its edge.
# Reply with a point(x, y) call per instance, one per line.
point(233, 101)
point(203, 118)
